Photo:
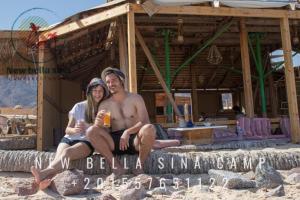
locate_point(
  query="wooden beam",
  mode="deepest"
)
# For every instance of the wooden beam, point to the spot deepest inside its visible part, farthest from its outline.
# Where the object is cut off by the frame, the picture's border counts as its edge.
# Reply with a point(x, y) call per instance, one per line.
point(246, 69)
point(290, 79)
point(40, 101)
point(88, 21)
point(82, 67)
point(14, 34)
point(77, 35)
point(123, 55)
point(131, 52)
point(157, 72)
point(226, 75)
point(203, 28)
point(223, 11)
point(228, 72)
point(212, 77)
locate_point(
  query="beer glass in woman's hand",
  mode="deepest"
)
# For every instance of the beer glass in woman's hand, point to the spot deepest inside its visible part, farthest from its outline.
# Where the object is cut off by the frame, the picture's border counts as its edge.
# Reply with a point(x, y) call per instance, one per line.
point(80, 126)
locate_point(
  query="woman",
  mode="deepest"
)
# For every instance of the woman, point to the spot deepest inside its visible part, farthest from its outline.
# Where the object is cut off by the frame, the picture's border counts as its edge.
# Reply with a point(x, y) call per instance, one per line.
point(74, 145)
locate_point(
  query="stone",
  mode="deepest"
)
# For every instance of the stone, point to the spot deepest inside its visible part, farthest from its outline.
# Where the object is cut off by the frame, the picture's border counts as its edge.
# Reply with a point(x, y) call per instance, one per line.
point(133, 193)
point(294, 170)
point(205, 179)
point(168, 182)
point(179, 193)
point(230, 179)
point(69, 182)
point(161, 191)
point(293, 178)
point(298, 186)
point(277, 192)
point(107, 197)
point(147, 181)
point(167, 176)
point(267, 177)
point(181, 183)
point(249, 175)
point(26, 188)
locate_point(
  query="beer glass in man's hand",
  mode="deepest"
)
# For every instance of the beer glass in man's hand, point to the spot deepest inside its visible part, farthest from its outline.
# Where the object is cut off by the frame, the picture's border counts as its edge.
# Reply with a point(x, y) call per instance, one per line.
point(99, 120)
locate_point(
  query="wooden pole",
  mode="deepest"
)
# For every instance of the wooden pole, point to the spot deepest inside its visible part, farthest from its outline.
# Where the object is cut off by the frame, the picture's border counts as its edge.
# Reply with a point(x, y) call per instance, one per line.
point(222, 11)
point(131, 52)
point(246, 69)
point(156, 71)
point(40, 100)
point(123, 55)
point(290, 79)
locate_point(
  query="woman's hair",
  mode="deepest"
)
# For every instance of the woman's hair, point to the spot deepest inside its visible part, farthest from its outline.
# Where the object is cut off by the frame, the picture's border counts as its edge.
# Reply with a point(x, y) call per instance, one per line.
point(92, 107)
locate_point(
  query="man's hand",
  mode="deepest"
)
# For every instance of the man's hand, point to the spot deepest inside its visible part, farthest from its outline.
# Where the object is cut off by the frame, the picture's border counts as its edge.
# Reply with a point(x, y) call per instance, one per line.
point(99, 118)
point(124, 141)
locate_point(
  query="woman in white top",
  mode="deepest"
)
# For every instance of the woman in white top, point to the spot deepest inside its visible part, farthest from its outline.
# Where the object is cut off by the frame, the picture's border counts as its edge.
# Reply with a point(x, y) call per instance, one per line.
point(74, 145)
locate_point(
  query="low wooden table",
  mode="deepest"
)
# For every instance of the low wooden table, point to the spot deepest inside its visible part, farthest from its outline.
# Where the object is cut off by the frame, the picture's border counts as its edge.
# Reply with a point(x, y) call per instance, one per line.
point(198, 134)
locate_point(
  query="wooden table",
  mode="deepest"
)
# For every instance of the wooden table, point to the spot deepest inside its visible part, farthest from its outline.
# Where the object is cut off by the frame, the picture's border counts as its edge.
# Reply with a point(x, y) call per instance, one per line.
point(198, 134)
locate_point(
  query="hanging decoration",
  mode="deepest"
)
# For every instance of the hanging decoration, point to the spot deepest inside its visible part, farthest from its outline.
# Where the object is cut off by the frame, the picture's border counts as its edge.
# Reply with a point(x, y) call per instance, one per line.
point(214, 56)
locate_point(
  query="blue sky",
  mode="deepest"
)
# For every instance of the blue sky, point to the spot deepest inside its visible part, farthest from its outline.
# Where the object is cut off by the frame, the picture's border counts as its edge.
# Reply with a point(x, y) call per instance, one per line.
point(11, 9)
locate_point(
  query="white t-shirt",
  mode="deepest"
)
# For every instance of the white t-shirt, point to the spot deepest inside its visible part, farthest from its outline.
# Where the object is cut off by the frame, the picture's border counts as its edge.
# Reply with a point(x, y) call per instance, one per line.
point(78, 113)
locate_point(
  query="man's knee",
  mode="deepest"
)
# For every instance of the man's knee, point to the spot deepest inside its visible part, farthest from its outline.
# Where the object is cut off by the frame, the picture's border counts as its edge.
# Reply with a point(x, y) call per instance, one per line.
point(148, 131)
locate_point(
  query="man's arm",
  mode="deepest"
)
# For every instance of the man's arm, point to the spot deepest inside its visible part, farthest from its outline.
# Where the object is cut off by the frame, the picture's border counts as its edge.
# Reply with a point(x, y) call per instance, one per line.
point(143, 119)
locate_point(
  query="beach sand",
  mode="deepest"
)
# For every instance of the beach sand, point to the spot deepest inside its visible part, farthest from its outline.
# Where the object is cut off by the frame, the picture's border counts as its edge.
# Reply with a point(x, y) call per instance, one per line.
point(195, 190)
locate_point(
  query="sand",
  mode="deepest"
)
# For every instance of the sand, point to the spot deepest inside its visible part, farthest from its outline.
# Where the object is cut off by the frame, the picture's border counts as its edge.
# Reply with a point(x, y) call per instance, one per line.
point(194, 191)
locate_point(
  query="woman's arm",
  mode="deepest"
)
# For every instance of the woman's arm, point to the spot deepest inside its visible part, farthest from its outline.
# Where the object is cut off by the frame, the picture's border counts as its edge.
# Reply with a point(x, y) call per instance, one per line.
point(73, 128)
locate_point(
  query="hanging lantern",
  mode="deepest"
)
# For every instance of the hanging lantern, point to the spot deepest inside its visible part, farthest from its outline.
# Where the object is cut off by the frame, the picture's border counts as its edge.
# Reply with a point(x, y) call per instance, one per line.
point(214, 56)
point(180, 38)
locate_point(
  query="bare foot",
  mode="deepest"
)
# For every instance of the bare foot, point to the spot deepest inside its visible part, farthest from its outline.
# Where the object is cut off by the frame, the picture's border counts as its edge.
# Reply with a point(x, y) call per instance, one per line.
point(44, 184)
point(138, 171)
point(36, 173)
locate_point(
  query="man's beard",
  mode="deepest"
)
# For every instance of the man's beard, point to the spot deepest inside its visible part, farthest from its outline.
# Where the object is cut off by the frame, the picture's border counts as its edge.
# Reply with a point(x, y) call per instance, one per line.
point(114, 91)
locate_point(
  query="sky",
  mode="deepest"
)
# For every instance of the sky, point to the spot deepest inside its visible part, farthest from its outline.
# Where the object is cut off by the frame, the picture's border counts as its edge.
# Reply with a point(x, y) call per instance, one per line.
point(10, 10)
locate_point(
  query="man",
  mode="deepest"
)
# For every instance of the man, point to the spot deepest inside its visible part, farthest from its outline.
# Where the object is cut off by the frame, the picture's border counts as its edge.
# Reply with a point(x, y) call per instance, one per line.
point(131, 131)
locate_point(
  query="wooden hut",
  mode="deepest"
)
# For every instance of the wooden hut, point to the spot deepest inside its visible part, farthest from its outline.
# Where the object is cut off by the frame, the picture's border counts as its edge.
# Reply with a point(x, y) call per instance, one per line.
point(205, 49)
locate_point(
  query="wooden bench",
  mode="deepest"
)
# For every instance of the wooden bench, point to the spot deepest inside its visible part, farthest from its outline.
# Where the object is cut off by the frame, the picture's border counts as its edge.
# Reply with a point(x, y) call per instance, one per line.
point(198, 134)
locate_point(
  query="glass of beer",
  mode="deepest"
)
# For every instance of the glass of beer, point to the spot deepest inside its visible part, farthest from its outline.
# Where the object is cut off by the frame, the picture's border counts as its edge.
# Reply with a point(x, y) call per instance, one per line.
point(106, 119)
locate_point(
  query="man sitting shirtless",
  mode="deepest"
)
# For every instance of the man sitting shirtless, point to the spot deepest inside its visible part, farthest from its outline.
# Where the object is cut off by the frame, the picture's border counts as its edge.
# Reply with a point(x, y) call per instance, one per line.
point(131, 131)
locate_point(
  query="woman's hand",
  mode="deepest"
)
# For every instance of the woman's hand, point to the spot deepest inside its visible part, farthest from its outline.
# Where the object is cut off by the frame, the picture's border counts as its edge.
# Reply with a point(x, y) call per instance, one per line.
point(80, 127)
point(99, 118)
point(124, 141)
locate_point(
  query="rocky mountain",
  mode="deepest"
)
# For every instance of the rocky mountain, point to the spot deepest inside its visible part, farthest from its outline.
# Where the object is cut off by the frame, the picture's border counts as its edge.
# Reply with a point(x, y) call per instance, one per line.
point(17, 92)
